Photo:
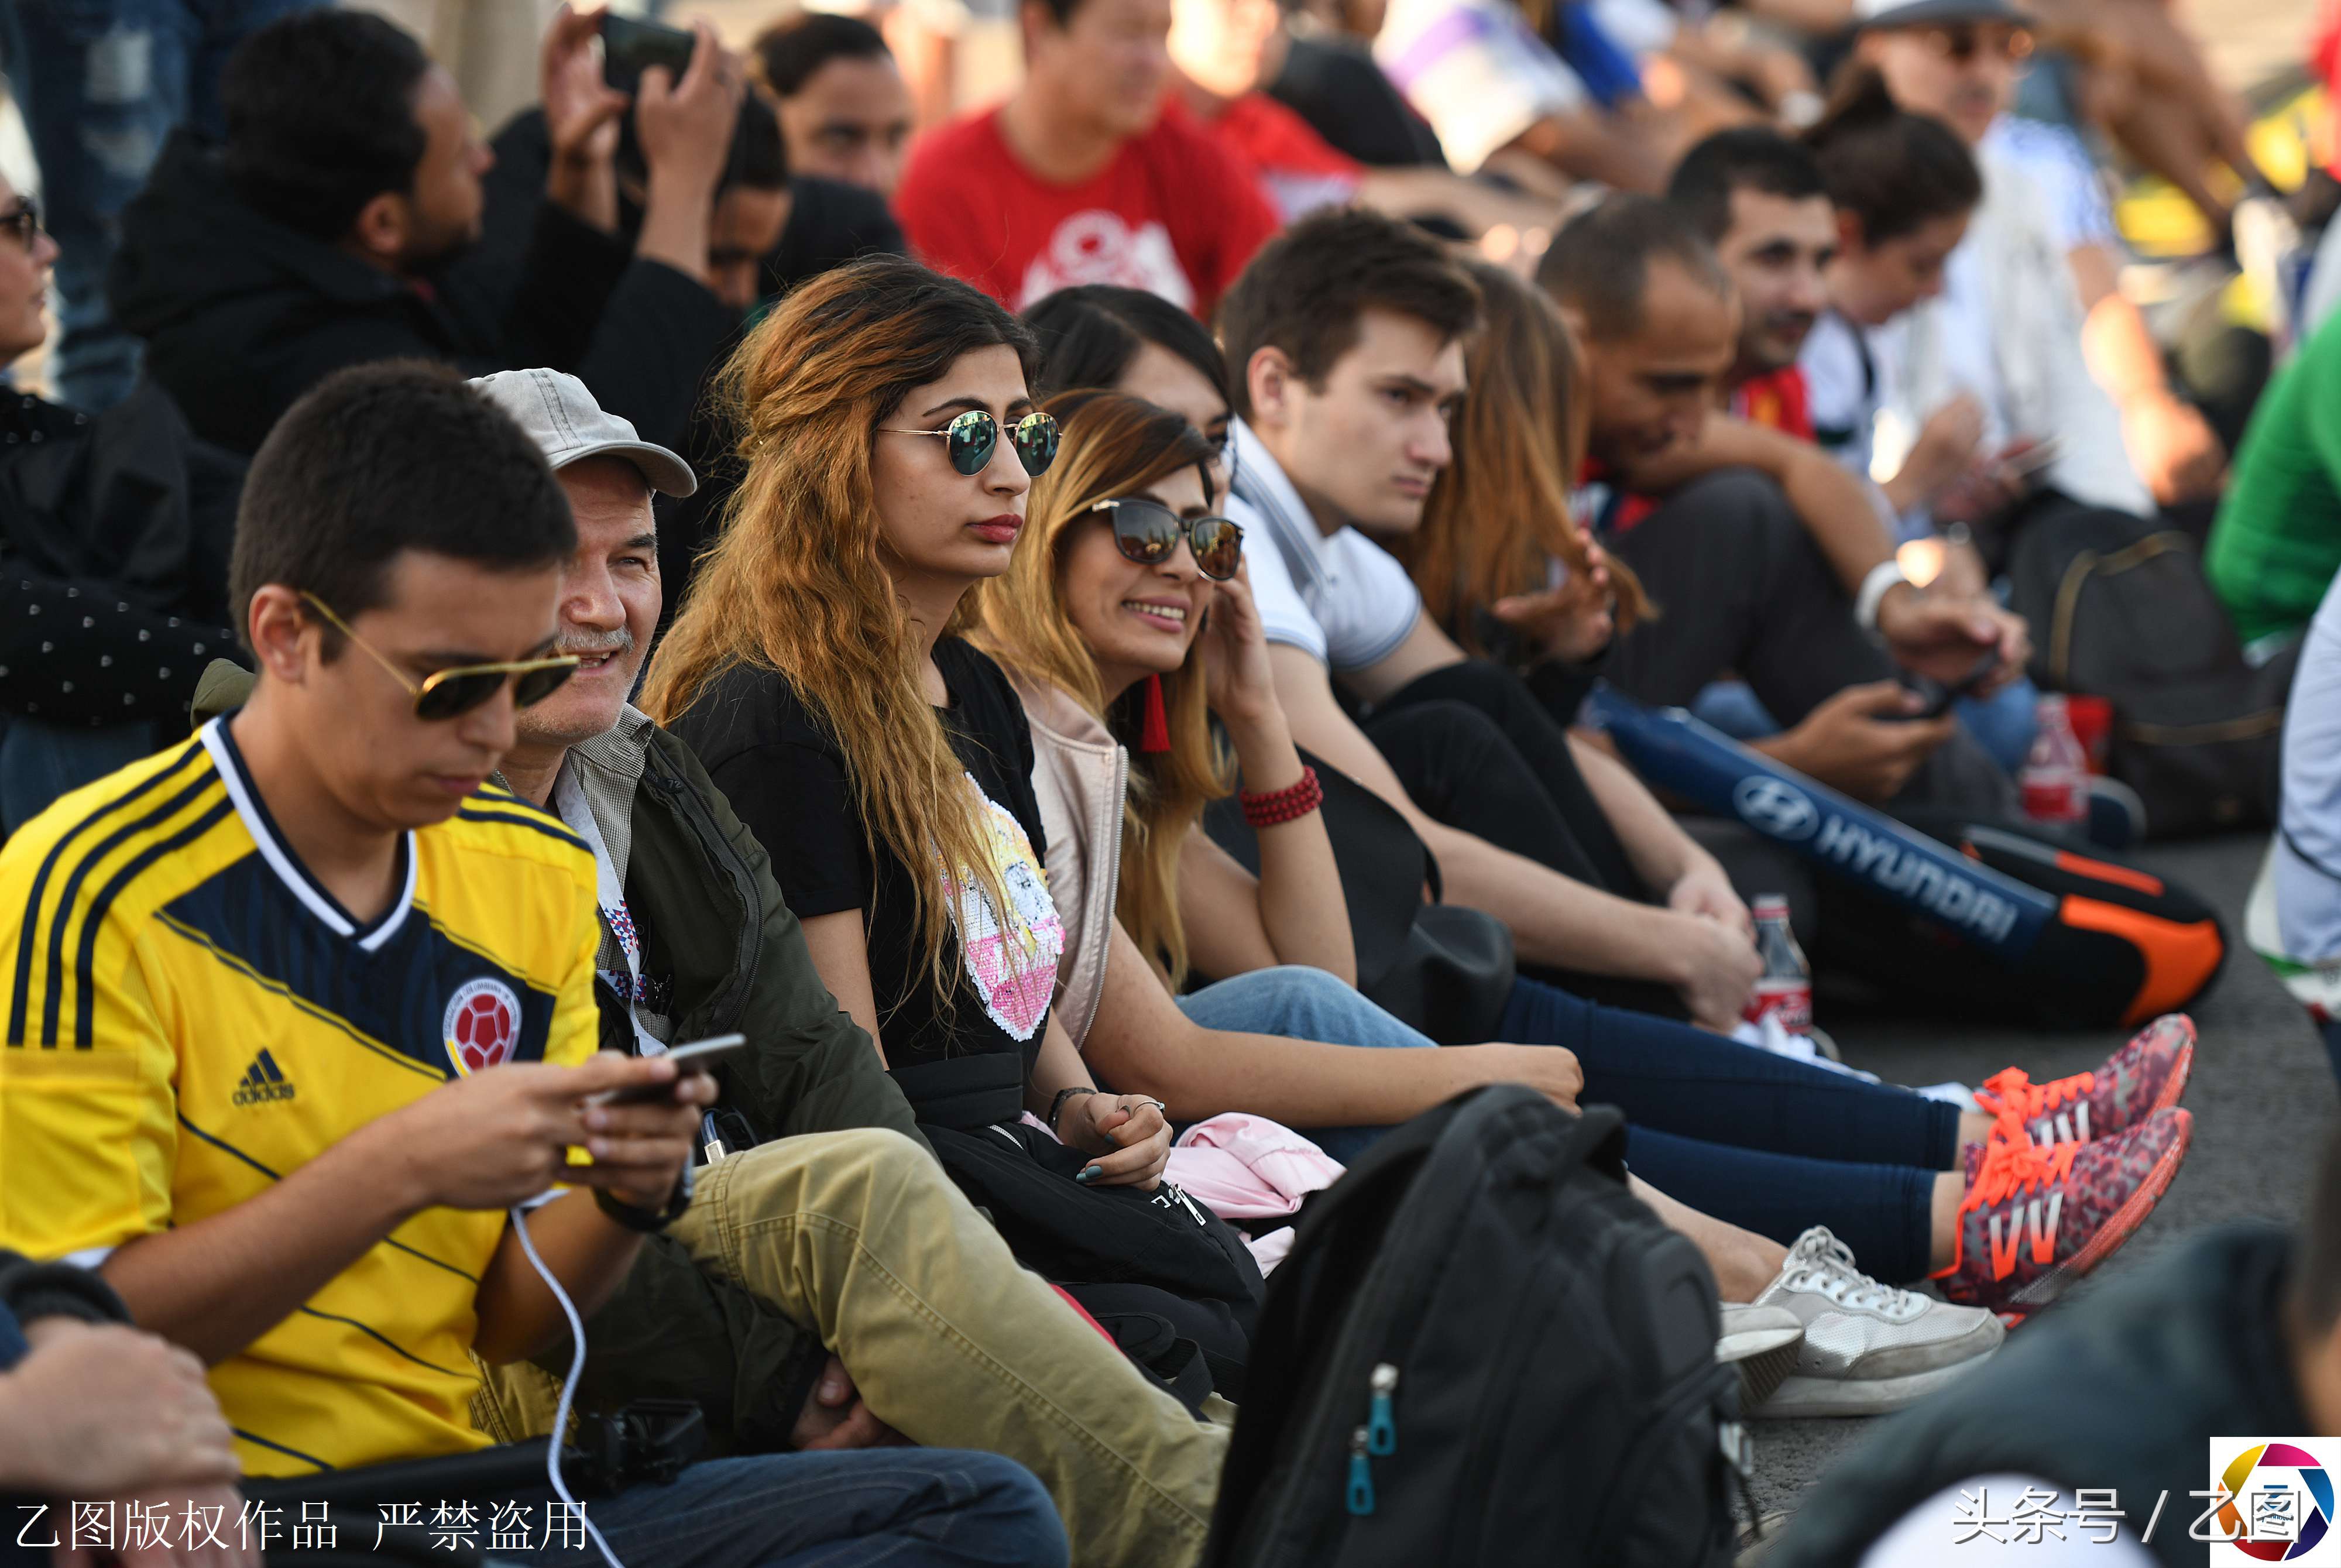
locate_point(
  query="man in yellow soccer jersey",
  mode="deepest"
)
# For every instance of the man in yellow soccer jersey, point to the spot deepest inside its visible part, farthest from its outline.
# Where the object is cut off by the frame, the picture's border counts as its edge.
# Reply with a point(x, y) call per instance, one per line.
point(296, 1011)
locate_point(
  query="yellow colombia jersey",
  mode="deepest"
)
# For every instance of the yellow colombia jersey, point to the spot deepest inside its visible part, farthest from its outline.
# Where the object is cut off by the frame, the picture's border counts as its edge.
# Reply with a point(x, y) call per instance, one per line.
point(190, 1017)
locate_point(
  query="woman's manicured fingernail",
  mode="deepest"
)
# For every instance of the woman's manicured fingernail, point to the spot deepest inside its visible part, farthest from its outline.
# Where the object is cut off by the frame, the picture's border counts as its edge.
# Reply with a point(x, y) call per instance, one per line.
point(1089, 1173)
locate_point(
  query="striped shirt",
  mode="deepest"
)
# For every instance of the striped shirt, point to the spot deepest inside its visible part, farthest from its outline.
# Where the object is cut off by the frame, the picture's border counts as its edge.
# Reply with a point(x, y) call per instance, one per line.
point(191, 1016)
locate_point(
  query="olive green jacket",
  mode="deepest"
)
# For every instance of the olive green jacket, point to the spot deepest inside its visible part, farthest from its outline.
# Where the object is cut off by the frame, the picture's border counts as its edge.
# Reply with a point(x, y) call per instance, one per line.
point(709, 915)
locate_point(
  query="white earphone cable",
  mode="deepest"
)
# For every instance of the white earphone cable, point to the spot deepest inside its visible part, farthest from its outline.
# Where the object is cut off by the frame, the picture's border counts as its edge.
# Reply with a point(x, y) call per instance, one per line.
point(568, 1388)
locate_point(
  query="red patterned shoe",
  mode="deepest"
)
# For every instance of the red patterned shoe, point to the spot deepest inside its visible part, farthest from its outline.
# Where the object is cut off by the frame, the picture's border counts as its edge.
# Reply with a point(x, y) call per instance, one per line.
point(2036, 1218)
point(2144, 1076)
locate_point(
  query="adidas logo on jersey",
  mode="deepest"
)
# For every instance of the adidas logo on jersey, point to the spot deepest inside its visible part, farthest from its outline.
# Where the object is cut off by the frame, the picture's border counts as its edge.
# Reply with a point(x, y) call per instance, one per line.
point(262, 1083)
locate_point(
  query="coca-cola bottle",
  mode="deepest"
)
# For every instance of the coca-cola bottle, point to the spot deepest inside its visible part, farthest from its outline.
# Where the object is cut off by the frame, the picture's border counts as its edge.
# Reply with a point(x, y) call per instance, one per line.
point(1785, 989)
point(2056, 777)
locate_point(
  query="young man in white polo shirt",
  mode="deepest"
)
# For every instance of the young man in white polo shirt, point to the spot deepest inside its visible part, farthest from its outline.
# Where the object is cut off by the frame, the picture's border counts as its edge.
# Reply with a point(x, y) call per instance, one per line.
point(1345, 338)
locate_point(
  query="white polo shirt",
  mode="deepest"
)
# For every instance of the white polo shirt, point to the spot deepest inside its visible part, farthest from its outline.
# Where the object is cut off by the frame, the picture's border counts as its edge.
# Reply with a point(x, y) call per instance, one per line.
point(1342, 597)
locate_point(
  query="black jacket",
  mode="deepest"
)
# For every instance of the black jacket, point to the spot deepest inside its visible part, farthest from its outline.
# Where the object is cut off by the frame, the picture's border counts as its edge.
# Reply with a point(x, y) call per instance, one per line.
point(115, 533)
point(830, 222)
point(2120, 1392)
point(241, 316)
point(714, 922)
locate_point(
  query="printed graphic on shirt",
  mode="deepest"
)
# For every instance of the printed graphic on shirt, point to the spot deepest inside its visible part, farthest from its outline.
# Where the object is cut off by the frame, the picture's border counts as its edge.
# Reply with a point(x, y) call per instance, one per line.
point(619, 921)
point(1098, 246)
point(1013, 963)
point(482, 1024)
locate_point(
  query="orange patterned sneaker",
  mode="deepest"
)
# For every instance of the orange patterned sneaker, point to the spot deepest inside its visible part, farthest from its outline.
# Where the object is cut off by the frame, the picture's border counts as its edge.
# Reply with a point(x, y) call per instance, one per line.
point(2146, 1076)
point(2039, 1218)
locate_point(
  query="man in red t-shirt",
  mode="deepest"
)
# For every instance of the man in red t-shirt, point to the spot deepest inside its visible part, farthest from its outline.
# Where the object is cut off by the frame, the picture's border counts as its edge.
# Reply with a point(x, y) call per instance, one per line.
point(1227, 51)
point(1760, 200)
point(1080, 177)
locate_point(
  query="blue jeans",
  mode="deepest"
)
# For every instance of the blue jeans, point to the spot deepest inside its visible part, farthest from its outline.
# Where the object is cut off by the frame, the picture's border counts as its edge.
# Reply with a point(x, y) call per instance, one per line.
point(1761, 1141)
point(903, 1507)
point(39, 762)
point(102, 83)
point(1294, 1002)
point(1764, 1142)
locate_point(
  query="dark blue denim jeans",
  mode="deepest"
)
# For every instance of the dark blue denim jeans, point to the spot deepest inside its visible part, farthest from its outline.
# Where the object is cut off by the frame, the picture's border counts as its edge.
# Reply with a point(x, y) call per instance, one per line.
point(903, 1507)
point(1761, 1141)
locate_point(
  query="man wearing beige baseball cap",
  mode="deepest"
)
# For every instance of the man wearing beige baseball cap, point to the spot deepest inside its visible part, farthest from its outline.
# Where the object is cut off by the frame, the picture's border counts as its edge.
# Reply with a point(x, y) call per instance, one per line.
point(776, 1300)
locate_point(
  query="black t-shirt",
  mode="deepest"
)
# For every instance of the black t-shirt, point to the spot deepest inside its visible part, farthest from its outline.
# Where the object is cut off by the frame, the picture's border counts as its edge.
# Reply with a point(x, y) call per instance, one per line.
point(1346, 99)
point(789, 783)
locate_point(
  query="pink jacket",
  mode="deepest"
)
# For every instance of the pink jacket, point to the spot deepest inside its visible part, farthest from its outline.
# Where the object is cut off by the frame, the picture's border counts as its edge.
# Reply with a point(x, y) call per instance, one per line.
point(1244, 1167)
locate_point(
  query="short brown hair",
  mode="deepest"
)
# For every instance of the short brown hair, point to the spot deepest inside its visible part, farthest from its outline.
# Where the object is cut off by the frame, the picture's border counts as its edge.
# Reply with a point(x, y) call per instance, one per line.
point(1307, 288)
point(1599, 263)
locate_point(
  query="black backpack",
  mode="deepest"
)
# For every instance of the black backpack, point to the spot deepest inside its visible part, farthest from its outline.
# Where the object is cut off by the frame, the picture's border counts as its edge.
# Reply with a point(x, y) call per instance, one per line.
point(2121, 610)
point(1483, 1351)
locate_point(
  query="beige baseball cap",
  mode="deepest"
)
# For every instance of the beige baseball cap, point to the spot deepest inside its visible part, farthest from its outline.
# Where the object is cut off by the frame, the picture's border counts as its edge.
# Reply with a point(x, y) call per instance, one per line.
point(567, 425)
point(1868, 14)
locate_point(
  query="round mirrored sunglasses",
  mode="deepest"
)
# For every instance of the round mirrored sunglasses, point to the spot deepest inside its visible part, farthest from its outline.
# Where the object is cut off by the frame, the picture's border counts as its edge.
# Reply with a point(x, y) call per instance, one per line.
point(973, 437)
point(1146, 531)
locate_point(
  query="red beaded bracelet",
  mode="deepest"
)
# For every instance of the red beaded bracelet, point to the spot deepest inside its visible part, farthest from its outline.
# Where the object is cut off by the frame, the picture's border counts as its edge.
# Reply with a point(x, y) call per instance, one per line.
point(1288, 804)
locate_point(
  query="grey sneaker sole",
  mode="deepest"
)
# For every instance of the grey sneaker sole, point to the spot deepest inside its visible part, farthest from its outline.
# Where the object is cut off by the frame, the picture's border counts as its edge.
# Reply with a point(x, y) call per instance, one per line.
point(1801, 1396)
point(1764, 1371)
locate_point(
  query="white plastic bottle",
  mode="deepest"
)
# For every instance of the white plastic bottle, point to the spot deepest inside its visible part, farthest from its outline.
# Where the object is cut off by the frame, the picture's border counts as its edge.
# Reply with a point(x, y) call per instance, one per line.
point(1785, 989)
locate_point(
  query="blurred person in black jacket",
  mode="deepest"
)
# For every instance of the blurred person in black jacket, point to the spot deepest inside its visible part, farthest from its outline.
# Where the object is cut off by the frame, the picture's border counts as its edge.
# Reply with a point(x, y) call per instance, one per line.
point(768, 228)
point(113, 539)
point(335, 223)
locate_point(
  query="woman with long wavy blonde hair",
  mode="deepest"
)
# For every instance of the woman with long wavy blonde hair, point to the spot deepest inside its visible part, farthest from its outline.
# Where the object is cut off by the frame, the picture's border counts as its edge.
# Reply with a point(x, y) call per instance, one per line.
point(1498, 521)
point(1127, 640)
point(889, 442)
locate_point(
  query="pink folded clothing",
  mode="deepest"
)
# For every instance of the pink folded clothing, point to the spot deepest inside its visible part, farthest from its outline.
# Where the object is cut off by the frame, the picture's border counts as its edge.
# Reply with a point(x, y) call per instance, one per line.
point(1245, 1167)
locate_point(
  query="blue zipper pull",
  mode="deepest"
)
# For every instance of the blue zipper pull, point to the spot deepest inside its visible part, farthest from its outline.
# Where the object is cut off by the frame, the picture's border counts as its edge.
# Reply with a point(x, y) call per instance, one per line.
point(1381, 1429)
point(1361, 1479)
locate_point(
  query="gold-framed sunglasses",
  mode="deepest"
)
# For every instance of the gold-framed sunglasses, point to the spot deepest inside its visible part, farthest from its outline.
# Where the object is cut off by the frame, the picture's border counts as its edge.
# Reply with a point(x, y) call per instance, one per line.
point(451, 692)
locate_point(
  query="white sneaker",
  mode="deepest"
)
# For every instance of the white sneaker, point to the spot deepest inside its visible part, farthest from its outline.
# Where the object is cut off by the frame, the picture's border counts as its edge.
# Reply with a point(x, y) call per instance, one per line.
point(1762, 1343)
point(1867, 1348)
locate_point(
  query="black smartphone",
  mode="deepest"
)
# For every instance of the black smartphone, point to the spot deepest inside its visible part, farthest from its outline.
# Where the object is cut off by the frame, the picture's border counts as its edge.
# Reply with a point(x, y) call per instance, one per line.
point(629, 47)
point(1939, 697)
point(695, 1057)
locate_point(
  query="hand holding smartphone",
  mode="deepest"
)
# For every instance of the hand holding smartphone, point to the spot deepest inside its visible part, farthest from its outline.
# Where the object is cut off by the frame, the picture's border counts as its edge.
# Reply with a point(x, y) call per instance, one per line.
point(629, 47)
point(1939, 697)
point(696, 1057)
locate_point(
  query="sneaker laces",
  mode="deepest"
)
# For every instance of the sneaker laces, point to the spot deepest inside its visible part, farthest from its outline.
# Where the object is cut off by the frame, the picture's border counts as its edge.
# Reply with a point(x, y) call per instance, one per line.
point(2012, 1090)
point(2013, 1163)
point(1820, 1257)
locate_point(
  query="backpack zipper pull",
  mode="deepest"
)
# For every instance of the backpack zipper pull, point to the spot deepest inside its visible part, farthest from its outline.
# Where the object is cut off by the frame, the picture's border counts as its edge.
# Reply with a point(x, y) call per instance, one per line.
point(1361, 1479)
point(1382, 1428)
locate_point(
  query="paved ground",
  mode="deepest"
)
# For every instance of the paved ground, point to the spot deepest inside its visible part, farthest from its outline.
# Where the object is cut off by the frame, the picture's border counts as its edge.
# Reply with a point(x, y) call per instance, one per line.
point(2262, 1095)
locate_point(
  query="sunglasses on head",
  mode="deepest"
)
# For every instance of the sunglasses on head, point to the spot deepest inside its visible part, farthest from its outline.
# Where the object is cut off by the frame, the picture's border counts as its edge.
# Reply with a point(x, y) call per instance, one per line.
point(448, 693)
point(22, 221)
point(973, 437)
point(1146, 531)
point(1966, 41)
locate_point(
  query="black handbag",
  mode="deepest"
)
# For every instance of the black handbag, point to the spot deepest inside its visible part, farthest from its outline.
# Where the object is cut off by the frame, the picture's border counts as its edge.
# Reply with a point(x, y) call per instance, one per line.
point(1441, 968)
point(1120, 1252)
